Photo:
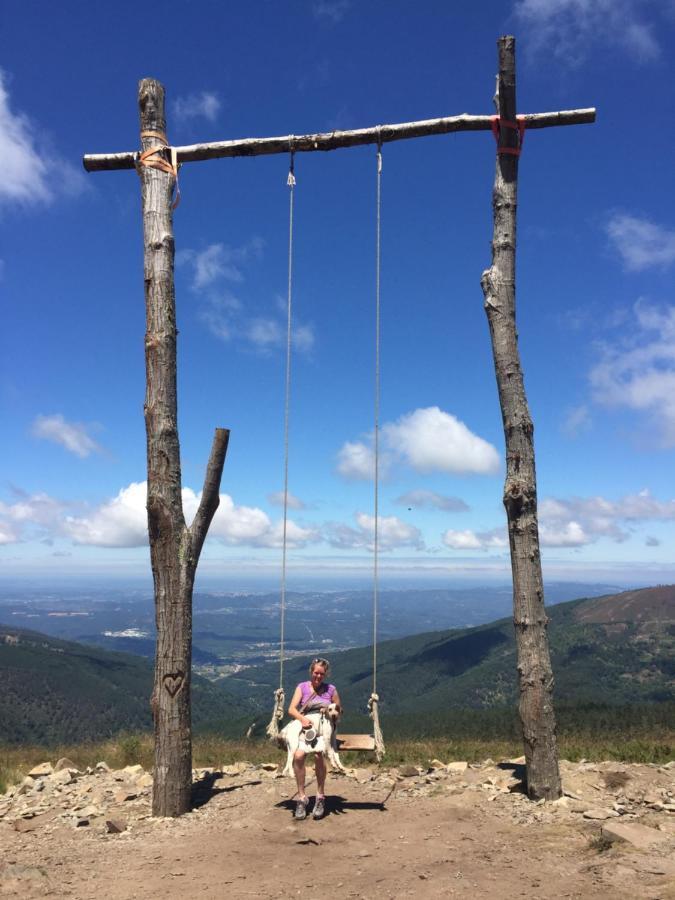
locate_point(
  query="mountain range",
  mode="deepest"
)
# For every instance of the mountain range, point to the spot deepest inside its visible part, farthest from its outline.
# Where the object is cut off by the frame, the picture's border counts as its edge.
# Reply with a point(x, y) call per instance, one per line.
point(610, 652)
point(615, 650)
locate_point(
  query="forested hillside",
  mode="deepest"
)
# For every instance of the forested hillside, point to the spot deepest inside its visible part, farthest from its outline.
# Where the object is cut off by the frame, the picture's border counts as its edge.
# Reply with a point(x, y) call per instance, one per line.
point(617, 651)
point(55, 691)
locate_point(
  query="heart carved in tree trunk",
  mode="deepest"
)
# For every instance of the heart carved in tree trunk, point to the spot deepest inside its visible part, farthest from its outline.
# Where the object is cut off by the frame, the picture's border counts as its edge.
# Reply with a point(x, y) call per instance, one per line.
point(173, 682)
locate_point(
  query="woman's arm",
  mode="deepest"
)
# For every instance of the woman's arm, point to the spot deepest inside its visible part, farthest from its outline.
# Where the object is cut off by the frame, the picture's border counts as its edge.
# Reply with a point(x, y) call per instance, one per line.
point(336, 699)
point(294, 712)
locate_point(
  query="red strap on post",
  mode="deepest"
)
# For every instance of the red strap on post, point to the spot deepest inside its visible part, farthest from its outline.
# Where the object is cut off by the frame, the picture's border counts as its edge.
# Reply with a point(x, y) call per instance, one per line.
point(518, 126)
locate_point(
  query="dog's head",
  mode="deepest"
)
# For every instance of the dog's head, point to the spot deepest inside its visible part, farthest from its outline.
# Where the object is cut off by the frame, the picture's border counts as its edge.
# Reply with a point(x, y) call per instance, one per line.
point(332, 713)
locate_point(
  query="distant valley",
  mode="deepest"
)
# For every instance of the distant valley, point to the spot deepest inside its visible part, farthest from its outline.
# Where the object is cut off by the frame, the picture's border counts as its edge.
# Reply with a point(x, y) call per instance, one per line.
point(233, 631)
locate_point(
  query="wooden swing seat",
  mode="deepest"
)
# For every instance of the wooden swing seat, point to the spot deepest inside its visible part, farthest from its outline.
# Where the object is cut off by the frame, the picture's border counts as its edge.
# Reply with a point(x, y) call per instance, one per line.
point(355, 742)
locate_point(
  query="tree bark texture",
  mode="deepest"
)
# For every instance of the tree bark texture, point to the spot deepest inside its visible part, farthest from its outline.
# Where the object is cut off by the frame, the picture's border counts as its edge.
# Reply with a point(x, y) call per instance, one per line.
point(174, 548)
point(335, 140)
point(520, 489)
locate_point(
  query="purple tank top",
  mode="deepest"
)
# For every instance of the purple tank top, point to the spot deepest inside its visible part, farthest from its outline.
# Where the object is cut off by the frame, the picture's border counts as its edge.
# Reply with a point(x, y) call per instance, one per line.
point(323, 696)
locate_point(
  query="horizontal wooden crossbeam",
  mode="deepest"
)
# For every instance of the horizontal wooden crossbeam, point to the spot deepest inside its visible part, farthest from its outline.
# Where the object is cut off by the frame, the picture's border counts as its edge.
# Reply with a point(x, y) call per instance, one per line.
point(333, 140)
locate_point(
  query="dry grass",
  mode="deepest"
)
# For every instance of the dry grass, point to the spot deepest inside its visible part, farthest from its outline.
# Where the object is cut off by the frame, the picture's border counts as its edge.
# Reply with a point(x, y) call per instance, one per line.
point(615, 780)
point(210, 750)
point(599, 843)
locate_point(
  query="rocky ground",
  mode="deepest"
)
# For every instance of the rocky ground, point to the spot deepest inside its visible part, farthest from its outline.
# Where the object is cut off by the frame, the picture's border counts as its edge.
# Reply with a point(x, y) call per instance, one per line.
point(445, 831)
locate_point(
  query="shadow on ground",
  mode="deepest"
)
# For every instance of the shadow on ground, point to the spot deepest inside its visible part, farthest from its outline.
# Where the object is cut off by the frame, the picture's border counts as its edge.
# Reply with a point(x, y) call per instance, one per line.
point(335, 805)
point(205, 789)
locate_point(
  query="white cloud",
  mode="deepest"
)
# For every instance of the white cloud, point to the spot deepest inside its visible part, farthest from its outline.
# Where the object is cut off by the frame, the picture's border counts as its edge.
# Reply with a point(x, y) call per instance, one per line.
point(571, 29)
point(356, 461)
point(431, 440)
point(277, 499)
point(638, 372)
point(237, 524)
point(577, 420)
point(29, 514)
point(71, 435)
point(583, 520)
point(203, 105)
point(122, 522)
point(461, 540)
point(303, 338)
point(224, 314)
point(30, 175)
point(8, 533)
point(217, 261)
point(575, 522)
point(266, 333)
point(220, 314)
point(641, 242)
point(391, 531)
point(24, 177)
point(475, 540)
point(427, 440)
point(331, 10)
point(432, 500)
point(296, 536)
point(570, 534)
point(224, 317)
point(35, 509)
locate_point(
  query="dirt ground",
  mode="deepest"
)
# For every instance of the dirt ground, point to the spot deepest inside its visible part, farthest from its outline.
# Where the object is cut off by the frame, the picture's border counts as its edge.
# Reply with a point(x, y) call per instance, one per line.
point(433, 833)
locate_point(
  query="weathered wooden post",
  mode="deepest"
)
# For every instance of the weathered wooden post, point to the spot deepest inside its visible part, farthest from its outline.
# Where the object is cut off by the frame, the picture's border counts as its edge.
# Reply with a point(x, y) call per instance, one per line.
point(520, 489)
point(174, 548)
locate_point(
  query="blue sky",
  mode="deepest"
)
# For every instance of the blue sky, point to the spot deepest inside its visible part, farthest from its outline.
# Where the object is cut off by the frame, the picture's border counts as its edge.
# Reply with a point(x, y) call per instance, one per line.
point(596, 312)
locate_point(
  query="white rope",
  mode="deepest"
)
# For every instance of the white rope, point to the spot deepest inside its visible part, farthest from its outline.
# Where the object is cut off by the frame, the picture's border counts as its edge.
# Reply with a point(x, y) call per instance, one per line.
point(376, 498)
point(373, 704)
point(290, 181)
point(278, 714)
point(374, 698)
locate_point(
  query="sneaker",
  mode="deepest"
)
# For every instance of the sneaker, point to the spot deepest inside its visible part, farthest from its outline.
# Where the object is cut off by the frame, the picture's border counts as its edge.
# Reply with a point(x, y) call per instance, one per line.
point(300, 810)
point(319, 808)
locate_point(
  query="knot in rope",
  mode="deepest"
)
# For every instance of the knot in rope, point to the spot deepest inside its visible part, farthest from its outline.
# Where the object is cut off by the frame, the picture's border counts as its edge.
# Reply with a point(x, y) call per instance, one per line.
point(291, 170)
point(373, 704)
point(272, 729)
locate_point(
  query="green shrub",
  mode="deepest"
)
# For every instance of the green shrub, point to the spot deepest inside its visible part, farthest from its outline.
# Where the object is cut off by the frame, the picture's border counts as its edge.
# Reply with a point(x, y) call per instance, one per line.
point(130, 749)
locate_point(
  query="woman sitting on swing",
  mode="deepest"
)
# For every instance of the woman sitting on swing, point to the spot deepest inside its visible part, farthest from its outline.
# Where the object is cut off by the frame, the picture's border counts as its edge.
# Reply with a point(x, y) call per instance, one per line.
point(310, 697)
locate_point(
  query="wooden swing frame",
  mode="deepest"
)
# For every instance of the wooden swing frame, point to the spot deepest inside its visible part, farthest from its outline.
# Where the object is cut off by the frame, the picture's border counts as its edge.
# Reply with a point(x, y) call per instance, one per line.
point(157, 163)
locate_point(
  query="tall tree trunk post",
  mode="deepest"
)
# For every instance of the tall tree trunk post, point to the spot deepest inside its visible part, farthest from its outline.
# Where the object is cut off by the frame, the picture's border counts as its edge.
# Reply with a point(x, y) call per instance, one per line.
point(520, 489)
point(174, 548)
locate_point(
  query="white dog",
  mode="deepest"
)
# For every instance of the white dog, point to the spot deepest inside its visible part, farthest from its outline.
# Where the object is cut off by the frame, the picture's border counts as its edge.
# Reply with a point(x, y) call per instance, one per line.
point(324, 724)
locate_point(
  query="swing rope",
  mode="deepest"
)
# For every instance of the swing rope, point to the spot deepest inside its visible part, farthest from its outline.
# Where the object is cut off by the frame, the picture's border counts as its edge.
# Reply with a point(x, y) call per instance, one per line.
point(273, 731)
point(373, 703)
point(279, 696)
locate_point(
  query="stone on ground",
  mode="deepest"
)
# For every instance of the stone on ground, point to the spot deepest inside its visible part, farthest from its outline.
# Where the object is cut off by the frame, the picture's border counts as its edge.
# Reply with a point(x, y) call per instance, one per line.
point(640, 836)
point(41, 770)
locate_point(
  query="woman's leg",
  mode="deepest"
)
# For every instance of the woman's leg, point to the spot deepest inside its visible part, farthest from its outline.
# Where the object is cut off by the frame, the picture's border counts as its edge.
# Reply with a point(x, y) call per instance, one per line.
point(320, 805)
point(299, 769)
point(320, 767)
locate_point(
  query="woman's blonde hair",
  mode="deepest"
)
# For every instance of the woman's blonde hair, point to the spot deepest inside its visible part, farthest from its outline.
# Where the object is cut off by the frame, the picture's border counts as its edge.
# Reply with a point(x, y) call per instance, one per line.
point(319, 661)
